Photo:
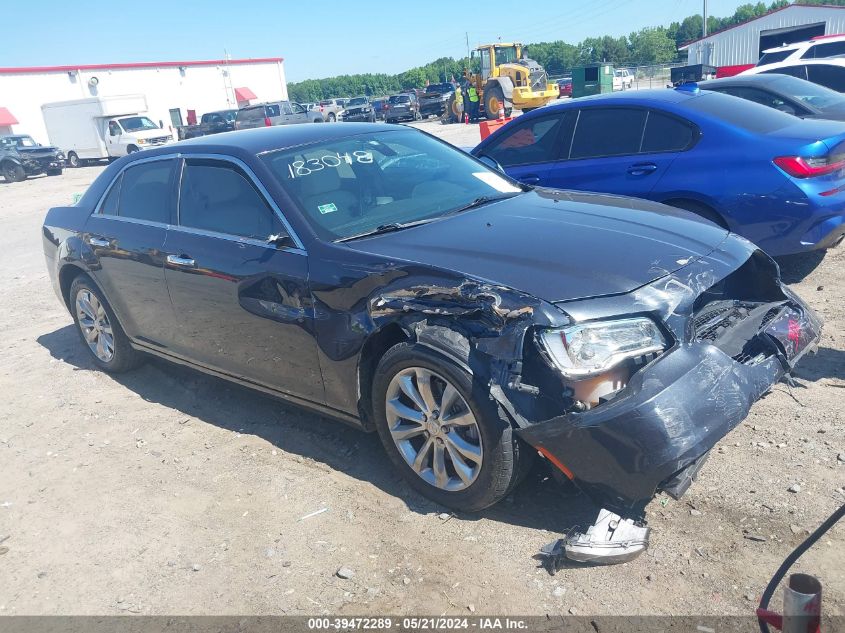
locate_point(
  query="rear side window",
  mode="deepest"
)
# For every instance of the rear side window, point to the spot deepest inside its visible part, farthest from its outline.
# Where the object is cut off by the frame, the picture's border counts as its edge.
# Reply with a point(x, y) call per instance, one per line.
point(143, 192)
point(665, 133)
point(796, 71)
point(830, 49)
point(826, 75)
point(250, 113)
point(608, 132)
point(217, 196)
point(534, 142)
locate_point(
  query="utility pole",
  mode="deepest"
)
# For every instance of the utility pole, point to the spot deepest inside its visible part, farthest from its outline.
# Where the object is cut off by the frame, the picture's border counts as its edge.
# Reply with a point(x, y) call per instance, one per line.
point(467, 36)
point(704, 15)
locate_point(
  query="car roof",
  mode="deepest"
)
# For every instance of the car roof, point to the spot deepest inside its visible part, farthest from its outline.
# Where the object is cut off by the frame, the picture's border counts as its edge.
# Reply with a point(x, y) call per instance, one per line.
point(806, 43)
point(629, 97)
point(761, 79)
point(266, 139)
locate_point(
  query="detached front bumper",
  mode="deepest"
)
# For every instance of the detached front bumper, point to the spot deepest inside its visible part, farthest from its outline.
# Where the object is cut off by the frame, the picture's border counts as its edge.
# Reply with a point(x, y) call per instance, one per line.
point(655, 434)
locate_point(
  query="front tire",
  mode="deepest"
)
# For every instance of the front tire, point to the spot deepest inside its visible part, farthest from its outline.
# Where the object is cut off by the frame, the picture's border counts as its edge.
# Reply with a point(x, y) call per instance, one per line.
point(443, 432)
point(73, 160)
point(131, 149)
point(99, 328)
point(494, 99)
point(332, 117)
point(12, 172)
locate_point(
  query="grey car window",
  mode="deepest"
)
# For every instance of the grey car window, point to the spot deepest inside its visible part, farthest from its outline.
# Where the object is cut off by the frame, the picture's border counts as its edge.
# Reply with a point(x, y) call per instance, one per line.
point(145, 192)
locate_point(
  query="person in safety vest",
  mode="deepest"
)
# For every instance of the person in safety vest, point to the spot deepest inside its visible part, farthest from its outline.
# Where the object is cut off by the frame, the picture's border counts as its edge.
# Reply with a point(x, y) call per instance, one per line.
point(459, 104)
point(472, 94)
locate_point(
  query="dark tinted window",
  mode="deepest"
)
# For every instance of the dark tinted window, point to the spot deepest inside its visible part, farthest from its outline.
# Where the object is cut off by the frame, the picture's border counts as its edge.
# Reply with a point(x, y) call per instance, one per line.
point(829, 76)
point(831, 49)
point(272, 110)
point(745, 114)
point(796, 71)
point(666, 134)
point(145, 193)
point(608, 132)
point(768, 99)
point(217, 196)
point(534, 142)
point(771, 58)
point(251, 113)
point(110, 204)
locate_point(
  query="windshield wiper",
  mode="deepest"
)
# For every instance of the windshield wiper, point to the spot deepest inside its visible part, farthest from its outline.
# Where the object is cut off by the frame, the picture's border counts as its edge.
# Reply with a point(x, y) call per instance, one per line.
point(386, 228)
point(481, 200)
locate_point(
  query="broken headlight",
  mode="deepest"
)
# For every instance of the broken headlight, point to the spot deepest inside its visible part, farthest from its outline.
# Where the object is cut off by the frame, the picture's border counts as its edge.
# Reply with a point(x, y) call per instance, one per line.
point(590, 348)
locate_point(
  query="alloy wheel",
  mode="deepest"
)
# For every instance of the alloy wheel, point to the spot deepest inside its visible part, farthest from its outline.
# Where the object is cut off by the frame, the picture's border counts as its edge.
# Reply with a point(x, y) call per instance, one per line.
point(434, 429)
point(95, 325)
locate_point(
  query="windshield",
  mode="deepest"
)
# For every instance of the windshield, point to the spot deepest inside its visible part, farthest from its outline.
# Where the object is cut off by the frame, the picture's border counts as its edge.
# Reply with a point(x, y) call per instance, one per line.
point(229, 115)
point(776, 56)
point(21, 141)
point(399, 99)
point(808, 92)
point(505, 54)
point(357, 101)
point(137, 123)
point(350, 186)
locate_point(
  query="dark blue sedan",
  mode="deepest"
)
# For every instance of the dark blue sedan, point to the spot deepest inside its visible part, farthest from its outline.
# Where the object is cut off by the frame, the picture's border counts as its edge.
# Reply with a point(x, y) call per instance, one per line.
point(771, 177)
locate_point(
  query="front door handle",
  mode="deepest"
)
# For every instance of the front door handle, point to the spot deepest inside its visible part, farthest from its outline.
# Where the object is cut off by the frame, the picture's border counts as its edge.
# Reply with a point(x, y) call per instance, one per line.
point(178, 260)
point(530, 179)
point(642, 169)
point(99, 241)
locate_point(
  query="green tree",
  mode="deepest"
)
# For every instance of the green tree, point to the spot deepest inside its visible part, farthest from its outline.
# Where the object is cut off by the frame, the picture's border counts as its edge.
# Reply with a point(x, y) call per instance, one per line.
point(652, 46)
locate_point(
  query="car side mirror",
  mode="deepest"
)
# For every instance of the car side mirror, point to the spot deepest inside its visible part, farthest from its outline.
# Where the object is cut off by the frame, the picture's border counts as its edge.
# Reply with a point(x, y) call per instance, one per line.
point(281, 240)
point(492, 163)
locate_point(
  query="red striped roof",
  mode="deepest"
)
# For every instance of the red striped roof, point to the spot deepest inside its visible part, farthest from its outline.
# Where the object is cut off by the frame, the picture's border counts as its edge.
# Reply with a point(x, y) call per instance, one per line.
point(7, 118)
point(28, 70)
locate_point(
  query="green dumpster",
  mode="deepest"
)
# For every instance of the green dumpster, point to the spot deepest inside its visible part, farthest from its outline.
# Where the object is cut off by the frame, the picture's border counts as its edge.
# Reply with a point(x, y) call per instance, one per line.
point(592, 79)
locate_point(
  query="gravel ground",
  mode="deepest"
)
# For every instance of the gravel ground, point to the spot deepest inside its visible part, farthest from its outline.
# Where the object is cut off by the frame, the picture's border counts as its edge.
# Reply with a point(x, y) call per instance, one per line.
point(165, 491)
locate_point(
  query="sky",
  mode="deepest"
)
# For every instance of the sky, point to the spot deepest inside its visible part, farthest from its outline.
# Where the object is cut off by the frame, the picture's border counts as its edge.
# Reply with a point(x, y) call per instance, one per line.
point(316, 38)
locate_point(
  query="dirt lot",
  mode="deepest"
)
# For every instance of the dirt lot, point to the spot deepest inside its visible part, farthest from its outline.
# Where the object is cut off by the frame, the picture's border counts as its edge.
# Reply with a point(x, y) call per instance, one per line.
point(164, 491)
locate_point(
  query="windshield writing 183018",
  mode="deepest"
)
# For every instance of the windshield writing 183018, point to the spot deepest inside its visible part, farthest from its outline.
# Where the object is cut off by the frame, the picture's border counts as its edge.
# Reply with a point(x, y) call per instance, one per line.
point(301, 168)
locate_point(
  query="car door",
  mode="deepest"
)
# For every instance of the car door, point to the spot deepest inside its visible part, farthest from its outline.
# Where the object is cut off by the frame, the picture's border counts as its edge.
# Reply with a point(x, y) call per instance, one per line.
point(113, 139)
point(300, 114)
point(242, 303)
point(527, 149)
point(286, 113)
point(617, 150)
point(127, 234)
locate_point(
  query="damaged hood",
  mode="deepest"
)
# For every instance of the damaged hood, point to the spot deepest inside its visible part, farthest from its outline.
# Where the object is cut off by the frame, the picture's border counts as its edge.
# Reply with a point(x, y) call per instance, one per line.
point(557, 245)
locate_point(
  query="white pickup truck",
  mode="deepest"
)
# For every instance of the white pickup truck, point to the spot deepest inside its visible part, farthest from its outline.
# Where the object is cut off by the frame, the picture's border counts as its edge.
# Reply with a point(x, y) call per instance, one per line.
point(102, 127)
point(623, 79)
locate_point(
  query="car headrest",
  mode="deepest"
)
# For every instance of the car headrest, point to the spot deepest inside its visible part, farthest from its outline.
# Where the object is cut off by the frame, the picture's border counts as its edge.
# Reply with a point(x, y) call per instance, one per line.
point(320, 181)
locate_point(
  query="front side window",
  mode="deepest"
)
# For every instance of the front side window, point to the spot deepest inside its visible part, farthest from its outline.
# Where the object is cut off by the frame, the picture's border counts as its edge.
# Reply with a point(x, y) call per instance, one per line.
point(286, 109)
point(217, 196)
point(830, 49)
point(143, 192)
point(810, 93)
point(114, 128)
point(608, 132)
point(534, 142)
point(350, 186)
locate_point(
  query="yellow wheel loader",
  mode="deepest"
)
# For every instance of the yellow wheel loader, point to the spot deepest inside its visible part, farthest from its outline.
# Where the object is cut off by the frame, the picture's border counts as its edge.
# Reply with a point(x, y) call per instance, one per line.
point(507, 80)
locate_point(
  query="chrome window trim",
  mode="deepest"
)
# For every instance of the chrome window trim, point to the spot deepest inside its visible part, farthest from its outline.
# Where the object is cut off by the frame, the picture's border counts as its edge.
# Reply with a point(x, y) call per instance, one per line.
point(235, 238)
point(118, 218)
point(268, 199)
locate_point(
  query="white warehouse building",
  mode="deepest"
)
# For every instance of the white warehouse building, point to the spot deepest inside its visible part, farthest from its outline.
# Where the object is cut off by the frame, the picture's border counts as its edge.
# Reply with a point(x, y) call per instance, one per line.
point(742, 44)
point(177, 92)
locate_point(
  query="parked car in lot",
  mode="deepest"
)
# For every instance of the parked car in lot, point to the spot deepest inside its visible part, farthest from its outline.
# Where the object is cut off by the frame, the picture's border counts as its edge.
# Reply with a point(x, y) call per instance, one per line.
point(815, 48)
point(785, 93)
point(275, 113)
point(329, 266)
point(829, 73)
point(379, 107)
point(623, 79)
point(331, 108)
point(358, 110)
point(435, 99)
point(777, 180)
point(402, 107)
point(21, 156)
point(210, 123)
point(564, 87)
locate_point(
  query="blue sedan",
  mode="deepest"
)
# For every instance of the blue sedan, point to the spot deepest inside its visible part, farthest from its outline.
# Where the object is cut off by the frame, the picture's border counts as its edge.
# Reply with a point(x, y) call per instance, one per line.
point(771, 177)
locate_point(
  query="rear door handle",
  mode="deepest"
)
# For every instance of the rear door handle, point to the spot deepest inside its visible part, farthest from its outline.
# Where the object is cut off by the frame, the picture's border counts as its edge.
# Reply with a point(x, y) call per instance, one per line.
point(178, 260)
point(99, 241)
point(530, 179)
point(642, 169)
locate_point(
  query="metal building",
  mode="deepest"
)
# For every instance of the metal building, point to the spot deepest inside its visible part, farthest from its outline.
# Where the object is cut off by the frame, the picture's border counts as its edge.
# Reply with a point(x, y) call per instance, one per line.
point(176, 91)
point(743, 43)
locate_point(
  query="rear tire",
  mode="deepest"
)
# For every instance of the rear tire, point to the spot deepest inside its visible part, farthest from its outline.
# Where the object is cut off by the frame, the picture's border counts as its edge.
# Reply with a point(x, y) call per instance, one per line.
point(332, 117)
point(12, 172)
point(99, 329)
point(479, 456)
point(131, 149)
point(73, 160)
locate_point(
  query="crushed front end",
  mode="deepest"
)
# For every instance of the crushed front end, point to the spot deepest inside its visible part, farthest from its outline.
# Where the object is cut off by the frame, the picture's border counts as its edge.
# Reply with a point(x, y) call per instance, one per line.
point(713, 337)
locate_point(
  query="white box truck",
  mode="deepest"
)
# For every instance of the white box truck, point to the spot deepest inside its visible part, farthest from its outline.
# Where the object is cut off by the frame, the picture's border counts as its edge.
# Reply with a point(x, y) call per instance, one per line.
point(102, 127)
